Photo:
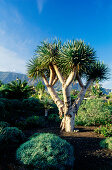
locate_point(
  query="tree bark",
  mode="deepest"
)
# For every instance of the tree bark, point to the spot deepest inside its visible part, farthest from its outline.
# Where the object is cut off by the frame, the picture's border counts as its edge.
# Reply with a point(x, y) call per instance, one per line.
point(54, 96)
point(67, 123)
point(46, 112)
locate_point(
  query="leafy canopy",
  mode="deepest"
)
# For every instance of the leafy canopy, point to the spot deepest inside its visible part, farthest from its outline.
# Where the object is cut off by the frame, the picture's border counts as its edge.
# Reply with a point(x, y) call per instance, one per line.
point(17, 90)
point(67, 56)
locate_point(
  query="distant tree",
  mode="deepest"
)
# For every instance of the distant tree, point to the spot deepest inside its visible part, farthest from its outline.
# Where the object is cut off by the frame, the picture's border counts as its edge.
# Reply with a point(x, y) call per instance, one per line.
point(40, 88)
point(97, 89)
point(66, 62)
point(17, 90)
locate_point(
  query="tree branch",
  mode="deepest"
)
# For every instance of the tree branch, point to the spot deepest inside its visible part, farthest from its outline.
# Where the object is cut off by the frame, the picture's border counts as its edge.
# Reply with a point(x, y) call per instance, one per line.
point(70, 77)
point(81, 95)
point(54, 96)
point(54, 81)
point(60, 77)
point(80, 81)
point(45, 80)
point(52, 74)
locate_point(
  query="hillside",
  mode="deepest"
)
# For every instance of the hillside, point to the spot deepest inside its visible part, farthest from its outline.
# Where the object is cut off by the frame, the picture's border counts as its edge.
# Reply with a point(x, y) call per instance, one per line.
point(6, 77)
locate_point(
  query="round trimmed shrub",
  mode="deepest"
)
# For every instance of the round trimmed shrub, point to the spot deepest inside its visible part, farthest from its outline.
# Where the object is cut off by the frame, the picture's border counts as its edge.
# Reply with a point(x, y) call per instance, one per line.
point(11, 137)
point(46, 150)
point(106, 143)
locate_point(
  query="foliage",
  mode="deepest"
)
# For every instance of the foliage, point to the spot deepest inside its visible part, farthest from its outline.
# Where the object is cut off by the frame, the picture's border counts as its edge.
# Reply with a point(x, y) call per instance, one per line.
point(97, 90)
point(66, 56)
point(47, 103)
point(94, 112)
point(40, 88)
point(105, 130)
point(106, 143)
point(46, 151)
point(54, 118)
point(10, 136)
point(3, 125)
point(16, 111)
point(17, 90)
point(35, 122)
point(32, 122)
point(1, 83)
point(33, 104)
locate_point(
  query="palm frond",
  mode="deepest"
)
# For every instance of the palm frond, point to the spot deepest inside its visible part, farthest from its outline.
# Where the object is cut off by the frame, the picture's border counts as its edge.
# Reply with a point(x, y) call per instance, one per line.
point(97, 71)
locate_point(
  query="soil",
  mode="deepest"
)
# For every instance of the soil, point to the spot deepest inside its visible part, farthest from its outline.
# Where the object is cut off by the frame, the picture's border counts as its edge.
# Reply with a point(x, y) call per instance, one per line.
point(88, 154)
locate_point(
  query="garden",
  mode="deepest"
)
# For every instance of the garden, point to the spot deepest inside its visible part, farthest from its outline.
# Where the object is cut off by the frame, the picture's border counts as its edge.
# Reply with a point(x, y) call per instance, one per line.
point(42, 127)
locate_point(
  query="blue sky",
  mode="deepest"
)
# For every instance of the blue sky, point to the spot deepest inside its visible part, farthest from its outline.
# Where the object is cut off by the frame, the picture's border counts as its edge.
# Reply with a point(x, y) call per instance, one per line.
point(24, 23)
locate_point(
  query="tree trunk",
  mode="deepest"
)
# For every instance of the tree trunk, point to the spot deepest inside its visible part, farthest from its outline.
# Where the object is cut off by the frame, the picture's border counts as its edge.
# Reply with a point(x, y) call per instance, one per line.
point(67, 123)
point(46, 112)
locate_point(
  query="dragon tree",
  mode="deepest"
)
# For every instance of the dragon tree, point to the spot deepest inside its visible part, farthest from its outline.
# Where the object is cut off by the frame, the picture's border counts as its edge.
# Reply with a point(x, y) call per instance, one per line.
point(67, 62)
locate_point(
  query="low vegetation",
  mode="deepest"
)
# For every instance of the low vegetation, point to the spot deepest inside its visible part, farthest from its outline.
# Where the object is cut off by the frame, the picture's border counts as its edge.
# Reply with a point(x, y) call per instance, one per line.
point(10, 138)
point(106, 143)
point(104, 130)
point(46, 151)
point(94, 112)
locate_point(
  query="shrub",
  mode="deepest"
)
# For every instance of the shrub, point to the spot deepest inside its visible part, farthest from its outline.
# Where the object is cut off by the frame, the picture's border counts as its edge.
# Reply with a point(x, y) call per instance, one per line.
point(32, 122)
point(94, 112)
point(10, 137)
point(54, 118)
point(106, 143)
point(17, 90)
point(104, 130)
point(3, 125)
point(34, 105)
point(46, 151)
point(35, 121)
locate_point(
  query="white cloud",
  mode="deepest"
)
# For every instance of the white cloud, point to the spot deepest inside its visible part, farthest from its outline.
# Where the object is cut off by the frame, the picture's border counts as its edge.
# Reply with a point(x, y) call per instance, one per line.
point(10, 61)
point(107, 84)
point(40, 5)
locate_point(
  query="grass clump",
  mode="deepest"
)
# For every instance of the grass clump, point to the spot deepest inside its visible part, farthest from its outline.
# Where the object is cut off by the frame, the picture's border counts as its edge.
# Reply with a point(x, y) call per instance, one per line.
point(46, 151)
point(106, 143)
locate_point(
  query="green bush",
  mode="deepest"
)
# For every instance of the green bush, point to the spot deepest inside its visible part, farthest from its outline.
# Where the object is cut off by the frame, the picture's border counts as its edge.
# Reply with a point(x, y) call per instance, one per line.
point(13, 110)
point(32, 122)
point(35, 121)
point(106, 143)
point(17, 90)
point(104, 130)
point(34, 105)
point(54, 118)
point(11, 137)
point(94, 112)
point(3, 125)
point(46, 151)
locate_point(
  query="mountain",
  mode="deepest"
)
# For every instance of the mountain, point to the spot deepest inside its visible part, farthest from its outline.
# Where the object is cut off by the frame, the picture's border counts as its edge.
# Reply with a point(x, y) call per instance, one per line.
point(6, 77)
